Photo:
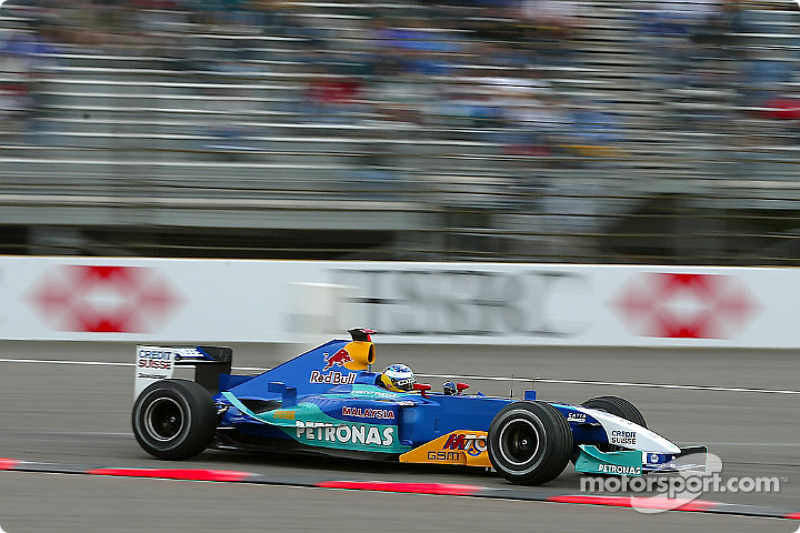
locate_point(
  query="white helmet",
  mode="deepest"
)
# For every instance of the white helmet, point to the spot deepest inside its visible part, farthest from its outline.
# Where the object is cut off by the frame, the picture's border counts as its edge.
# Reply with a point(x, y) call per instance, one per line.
point(398, 378)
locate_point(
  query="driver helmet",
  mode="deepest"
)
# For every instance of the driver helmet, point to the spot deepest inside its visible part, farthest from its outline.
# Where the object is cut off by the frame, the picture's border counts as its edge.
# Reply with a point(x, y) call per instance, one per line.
point(398, 378)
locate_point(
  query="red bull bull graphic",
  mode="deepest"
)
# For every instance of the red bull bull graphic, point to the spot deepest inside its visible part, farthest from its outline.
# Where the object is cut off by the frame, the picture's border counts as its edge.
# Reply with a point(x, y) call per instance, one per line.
point(340, 358)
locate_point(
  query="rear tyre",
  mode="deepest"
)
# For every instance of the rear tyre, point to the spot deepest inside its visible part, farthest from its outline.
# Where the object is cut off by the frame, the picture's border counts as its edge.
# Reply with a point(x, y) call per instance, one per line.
point(529, 443)
point(617, 406)
point(174, 419)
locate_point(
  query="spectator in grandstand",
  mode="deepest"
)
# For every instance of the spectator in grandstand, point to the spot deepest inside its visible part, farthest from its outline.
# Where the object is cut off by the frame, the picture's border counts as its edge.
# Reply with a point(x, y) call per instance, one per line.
point(510, 87)
point(556, 19)
point(765, 71)
point(159, 34)
point(595, 132)
point(402, 97)
point(464, 107)
point(510, 92)
point(784, 109)
point(230, 132)
point(413, 46)
point(331, 97)
point(23, 57)
point(15, 106)
point(32, 49)
point(537, 127)
point(270, 14)
point(549, 27)
point(720, 28)
point(677, 17)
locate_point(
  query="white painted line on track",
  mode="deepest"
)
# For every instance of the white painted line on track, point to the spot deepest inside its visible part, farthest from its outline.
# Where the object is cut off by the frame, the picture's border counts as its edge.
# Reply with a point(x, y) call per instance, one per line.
point(668, 386)
point(521, 380)
point(612, 383)
point(104, 363)
point(67, 433)
point(54, 362)
point(748, 444)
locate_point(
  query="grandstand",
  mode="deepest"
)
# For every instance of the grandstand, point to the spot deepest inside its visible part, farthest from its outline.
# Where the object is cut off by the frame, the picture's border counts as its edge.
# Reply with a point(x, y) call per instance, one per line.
point(535, 130)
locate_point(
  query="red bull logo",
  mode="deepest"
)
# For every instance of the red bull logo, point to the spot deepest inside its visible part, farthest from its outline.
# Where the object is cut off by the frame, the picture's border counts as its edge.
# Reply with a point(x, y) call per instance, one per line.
point(340, 358)
point(334, 378)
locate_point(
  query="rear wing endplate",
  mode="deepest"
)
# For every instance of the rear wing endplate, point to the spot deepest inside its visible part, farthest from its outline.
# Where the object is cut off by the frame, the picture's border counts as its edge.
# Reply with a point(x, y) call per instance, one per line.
point(154, 363)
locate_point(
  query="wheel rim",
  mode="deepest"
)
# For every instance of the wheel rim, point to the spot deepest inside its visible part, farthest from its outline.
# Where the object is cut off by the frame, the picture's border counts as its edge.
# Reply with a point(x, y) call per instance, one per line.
point(164, 419)
point(519, 442)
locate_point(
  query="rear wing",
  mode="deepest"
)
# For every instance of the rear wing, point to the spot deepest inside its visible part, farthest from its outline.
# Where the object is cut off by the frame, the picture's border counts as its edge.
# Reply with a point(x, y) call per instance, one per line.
point(154, 363)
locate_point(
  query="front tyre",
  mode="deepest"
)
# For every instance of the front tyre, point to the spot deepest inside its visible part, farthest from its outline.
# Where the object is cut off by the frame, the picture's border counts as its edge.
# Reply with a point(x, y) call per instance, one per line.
point(174, 419)
point(529, 443)
point(617, 406)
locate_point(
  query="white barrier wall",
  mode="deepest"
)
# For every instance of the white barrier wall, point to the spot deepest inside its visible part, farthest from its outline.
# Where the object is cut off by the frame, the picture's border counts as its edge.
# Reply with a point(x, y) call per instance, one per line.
point(162, 300)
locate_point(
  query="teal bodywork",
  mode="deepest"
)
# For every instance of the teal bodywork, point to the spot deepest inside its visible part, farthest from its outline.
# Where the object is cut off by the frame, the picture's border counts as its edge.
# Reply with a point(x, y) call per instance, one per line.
point(621, 463)
point(308, 424)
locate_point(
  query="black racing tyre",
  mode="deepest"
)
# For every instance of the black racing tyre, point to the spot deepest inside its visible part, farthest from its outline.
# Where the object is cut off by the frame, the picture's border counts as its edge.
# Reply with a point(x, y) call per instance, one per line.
point(529, 443)
point(617, 406)
point(174, 419)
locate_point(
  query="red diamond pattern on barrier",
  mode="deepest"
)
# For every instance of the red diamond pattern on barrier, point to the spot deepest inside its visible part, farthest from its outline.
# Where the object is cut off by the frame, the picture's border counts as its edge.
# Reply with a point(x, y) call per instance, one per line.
point(691, 306)
point(105, 299)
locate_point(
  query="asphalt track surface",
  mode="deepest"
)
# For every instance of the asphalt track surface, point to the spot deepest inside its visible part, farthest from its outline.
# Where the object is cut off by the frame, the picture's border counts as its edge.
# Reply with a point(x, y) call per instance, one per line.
point(78, 414)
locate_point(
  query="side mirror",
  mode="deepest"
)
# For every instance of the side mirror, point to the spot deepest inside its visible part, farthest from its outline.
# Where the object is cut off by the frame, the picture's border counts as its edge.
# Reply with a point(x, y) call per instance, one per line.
point(423, 388)
point(461, 387)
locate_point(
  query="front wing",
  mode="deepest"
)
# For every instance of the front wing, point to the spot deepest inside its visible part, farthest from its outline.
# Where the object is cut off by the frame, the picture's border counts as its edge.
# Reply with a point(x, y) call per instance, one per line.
point(591, 460)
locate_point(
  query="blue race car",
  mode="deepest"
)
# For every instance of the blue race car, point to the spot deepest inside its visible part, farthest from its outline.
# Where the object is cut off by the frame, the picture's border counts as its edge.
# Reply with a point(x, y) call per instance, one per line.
point(328, 400)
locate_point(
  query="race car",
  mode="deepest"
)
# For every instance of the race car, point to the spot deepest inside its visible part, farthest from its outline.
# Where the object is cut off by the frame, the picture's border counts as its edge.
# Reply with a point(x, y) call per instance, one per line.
point(329, 400)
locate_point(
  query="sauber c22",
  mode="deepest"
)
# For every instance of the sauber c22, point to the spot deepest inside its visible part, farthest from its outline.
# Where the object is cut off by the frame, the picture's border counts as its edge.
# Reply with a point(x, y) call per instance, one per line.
point(328, 401)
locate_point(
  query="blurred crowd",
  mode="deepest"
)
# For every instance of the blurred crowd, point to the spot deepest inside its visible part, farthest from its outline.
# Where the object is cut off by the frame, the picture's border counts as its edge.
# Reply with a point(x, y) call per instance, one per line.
point(518, 73)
